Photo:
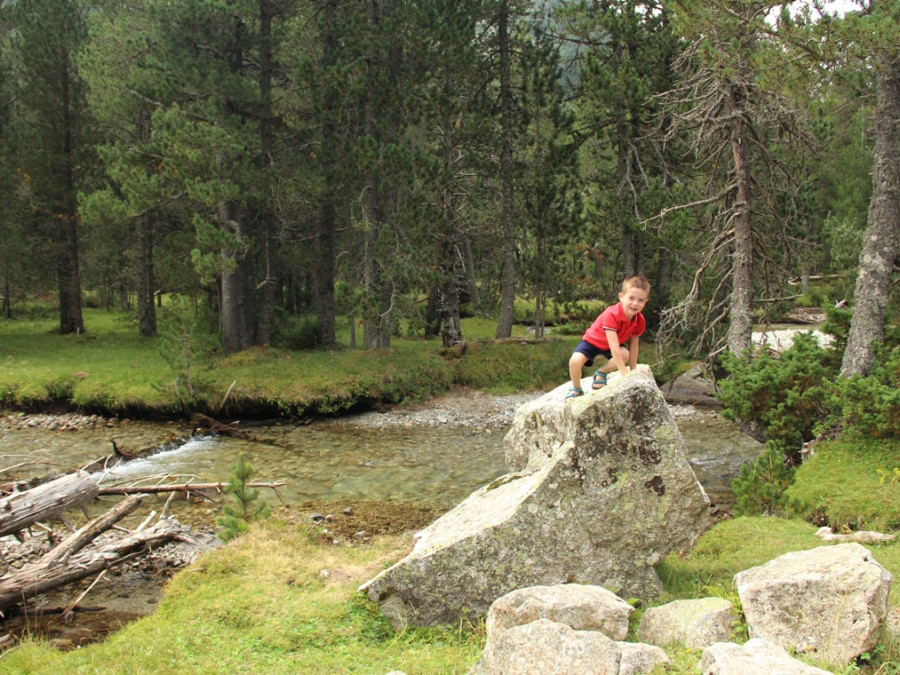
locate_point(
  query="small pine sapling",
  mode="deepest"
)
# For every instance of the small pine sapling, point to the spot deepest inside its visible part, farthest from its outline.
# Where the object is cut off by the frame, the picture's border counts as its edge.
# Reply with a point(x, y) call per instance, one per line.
point(246, 508)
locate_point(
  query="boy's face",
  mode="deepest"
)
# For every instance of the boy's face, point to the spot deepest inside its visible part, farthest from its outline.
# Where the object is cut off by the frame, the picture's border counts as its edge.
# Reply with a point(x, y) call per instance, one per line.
point(633, 300)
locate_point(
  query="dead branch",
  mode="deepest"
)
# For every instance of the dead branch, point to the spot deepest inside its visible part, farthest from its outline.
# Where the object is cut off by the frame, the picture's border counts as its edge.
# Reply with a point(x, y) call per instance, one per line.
point(46, 502)
point(84, 536)
point(181, 487)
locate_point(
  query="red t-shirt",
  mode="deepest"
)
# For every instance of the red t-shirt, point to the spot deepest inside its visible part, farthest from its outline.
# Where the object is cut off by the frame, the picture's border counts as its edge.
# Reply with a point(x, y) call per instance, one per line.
point(613, 318)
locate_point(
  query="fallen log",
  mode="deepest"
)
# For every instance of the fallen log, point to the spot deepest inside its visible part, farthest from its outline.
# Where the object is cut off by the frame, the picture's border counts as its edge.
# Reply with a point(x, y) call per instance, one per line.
point(46, 502)
point(180, 487)
point(33, 580)
point(85, 535)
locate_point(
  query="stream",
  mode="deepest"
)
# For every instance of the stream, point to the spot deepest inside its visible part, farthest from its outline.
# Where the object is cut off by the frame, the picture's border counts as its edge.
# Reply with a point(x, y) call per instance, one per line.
point(342, 463)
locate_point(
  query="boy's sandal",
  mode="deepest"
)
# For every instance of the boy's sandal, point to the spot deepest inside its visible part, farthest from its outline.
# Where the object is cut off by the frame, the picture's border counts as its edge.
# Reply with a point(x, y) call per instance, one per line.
point(575, 392)
point(599, 380)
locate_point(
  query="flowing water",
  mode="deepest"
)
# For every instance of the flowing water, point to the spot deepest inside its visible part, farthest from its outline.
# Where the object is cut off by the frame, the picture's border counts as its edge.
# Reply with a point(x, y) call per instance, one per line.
point(335, 461)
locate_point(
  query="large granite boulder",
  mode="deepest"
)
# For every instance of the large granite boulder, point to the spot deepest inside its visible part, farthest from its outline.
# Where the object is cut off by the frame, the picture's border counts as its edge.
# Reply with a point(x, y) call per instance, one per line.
point(830, 601)
point(601, 492)
point(579, 607)
point(548, 647)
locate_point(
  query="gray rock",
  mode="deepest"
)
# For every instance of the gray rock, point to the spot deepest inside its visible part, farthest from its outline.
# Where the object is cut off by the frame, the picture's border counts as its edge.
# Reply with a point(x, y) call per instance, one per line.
point(606, 493)
point(577, 606)
point(755, 657)
point(830, 601)
point(638, 658)
point(694, 387)
point(544, 646)
point(696, 624)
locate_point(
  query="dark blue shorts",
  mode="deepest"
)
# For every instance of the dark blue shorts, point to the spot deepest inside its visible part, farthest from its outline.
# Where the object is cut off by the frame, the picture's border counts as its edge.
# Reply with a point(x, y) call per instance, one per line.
point(591, 352)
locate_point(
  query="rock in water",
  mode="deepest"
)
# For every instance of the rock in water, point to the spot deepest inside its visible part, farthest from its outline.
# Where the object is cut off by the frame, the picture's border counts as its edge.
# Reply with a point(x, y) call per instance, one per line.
point(601, 491)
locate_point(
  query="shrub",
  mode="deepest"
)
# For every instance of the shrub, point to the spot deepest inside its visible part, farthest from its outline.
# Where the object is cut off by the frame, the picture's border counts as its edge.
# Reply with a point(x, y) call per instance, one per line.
point(785, 396)
point(870, 406)
point(759, 488)
point(295, 332)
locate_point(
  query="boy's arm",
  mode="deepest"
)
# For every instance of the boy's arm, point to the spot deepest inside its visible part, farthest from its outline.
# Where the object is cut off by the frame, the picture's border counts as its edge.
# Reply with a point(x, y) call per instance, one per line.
point(633, 348)
point(613, 338)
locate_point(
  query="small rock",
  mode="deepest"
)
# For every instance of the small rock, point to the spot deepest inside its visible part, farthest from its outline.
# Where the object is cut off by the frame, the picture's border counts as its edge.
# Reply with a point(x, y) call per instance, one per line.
point(348, 511)
point(316, 517)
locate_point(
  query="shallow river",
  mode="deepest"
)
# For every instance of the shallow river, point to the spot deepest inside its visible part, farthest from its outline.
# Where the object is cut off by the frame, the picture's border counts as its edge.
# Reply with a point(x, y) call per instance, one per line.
point(336, 461)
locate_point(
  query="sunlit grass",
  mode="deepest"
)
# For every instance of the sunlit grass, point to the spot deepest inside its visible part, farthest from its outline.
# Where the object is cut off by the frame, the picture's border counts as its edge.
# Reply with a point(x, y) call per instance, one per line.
point(110, 369)
point(850, 484)
point(238, 611)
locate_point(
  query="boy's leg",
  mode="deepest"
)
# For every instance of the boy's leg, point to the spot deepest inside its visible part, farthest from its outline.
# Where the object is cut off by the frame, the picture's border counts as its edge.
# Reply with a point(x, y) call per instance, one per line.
point(576, 366)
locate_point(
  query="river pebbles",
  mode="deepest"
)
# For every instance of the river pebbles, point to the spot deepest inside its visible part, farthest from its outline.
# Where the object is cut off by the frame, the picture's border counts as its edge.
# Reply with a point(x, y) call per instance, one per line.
point(468, 409)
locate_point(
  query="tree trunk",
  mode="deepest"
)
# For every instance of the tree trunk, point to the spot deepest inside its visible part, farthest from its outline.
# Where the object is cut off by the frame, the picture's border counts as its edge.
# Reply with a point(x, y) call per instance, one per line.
point(507, 216)
point(325, 239)
point(146, 307)
point(144, 235)
point(237, 307)
point(378, 321)
point(68, 274)
point(881, 243)
point(46, 502)
point(740, 327)
point(268, 288)
point(448, 242)
point(470, 272)
point(451, 331)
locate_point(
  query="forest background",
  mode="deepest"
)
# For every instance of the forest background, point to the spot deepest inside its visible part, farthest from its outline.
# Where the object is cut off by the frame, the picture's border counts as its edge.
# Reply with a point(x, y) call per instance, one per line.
point(281, 164)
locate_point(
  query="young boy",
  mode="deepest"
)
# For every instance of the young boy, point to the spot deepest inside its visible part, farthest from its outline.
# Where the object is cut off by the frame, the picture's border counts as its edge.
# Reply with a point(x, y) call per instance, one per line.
point(619, 325)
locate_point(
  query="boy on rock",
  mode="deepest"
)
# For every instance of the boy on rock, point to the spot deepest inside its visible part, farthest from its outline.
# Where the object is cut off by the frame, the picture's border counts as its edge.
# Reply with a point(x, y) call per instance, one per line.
point(614, 335)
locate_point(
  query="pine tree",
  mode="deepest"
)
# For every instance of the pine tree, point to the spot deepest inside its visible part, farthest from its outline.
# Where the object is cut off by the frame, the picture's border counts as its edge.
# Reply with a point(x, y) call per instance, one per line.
point(247, 507)
point(48, 35)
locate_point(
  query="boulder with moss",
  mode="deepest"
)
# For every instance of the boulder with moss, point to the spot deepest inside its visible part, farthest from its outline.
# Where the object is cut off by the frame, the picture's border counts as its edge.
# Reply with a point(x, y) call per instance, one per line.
point(600, 491)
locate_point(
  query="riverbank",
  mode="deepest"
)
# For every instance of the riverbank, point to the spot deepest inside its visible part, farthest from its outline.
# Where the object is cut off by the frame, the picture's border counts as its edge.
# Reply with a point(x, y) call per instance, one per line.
point(114, 373)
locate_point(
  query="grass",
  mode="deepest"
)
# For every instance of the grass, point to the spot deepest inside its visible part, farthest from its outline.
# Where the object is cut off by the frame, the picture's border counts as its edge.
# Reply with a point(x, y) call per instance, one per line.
point(238, 611)
point(111, 370)
point(848, 484)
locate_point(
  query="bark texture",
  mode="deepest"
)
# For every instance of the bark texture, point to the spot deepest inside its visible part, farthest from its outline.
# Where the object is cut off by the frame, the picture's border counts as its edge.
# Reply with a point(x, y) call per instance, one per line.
point(882, 238)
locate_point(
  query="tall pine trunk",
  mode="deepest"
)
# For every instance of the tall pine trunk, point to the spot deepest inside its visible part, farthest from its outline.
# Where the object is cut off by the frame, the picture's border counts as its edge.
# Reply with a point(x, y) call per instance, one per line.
point(448, 243)
point(325, 232)
point(881, 243)
point(507, 214)
point(377, 323)
point(146, 308)
point(144, 242)
point(237, 307)
point(265, 320)
point(740, 327)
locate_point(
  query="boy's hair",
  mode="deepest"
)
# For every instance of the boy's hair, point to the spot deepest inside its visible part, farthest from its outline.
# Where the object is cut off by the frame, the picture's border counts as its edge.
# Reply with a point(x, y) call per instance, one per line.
point(636, 282)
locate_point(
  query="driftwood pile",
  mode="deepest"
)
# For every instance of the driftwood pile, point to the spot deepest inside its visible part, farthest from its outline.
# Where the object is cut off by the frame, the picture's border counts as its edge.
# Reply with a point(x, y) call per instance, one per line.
point(84, 552)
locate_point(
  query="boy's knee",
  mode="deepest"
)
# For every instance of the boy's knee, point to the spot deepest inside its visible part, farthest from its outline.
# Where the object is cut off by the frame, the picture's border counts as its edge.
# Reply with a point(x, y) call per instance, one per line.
point(577, 359)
